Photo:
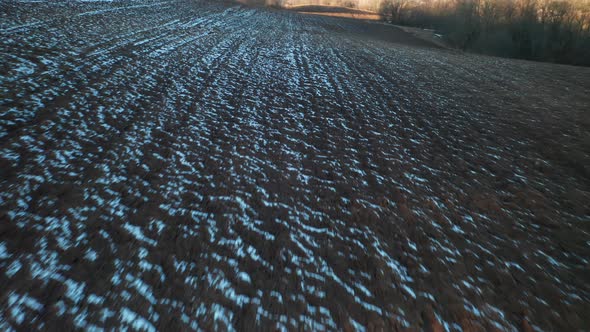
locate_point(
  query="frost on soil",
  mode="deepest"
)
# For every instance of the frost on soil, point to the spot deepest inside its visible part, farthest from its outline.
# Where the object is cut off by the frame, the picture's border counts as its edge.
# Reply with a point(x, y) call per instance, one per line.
point(184, 165)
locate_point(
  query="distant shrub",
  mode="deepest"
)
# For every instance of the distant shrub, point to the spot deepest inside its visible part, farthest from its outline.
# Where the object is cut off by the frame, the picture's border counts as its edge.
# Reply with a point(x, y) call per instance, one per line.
point(349, 4)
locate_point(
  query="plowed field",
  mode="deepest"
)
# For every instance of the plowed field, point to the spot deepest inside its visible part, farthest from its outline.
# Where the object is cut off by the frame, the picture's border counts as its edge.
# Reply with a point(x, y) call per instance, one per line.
point(183, 165)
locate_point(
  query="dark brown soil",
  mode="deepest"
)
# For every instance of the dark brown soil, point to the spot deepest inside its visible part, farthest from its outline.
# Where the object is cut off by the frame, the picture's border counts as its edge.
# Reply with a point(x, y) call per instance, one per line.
point(194, 165)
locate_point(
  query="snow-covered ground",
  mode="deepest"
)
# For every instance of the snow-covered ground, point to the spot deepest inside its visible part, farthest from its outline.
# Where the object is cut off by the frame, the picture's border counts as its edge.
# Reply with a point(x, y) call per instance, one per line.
point(197, 165)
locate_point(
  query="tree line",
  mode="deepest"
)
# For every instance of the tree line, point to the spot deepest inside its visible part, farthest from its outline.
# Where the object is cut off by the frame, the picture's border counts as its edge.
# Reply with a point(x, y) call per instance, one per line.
point(542, 30)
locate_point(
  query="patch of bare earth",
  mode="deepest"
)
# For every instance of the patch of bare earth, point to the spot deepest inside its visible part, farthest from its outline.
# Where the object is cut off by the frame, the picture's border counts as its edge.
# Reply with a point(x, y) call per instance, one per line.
point(335, 11)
